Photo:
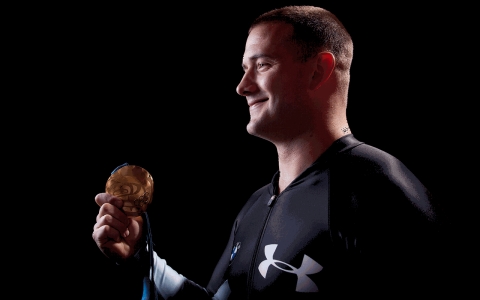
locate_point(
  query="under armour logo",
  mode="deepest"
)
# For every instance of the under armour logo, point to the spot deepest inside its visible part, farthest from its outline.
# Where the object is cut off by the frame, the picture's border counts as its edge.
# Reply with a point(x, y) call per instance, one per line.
point(309, 266)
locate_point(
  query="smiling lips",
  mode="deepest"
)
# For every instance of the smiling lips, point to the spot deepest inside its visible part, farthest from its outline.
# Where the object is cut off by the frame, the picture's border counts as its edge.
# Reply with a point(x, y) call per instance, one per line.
point(255, 102)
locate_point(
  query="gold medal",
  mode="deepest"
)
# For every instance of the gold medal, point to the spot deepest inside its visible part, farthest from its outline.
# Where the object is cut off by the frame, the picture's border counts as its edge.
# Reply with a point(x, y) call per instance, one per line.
point(132, 184)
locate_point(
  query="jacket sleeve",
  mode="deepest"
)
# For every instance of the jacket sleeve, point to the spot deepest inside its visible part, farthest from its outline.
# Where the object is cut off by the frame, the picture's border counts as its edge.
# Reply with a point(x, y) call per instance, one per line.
point(169, 284)
point(396, 230)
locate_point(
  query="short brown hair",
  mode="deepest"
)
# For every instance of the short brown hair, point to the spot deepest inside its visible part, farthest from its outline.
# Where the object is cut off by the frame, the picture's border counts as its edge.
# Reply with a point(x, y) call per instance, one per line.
point(314, 30)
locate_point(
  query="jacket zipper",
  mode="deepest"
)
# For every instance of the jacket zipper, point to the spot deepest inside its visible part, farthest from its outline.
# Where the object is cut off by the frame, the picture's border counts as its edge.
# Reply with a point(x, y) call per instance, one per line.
point(270, 204)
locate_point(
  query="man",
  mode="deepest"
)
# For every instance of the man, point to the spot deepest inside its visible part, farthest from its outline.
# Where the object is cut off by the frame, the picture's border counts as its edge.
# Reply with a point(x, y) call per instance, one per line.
point(340, 218)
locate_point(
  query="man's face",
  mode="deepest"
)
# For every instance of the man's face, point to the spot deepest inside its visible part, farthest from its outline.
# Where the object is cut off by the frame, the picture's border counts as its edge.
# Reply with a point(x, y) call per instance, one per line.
point(275, 83)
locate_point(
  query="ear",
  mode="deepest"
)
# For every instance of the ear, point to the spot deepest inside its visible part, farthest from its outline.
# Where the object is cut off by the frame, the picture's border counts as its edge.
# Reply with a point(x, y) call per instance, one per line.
point(325, 63)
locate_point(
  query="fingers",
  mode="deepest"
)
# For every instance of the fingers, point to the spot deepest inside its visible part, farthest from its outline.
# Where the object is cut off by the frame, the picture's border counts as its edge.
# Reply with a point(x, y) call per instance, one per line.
point(103, 198)
point(115, 227)
point(114, 232)
point(109, 242)
point(102, 234)
point(111, 216)
point(111, 205)
point(110, 232)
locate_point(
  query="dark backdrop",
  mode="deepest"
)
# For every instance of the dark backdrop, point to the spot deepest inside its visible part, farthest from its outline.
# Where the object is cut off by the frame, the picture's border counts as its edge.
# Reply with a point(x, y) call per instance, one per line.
point(155, 86)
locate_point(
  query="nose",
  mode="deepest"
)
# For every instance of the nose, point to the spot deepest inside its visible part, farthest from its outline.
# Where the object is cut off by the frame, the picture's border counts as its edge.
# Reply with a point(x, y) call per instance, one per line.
point(247, 85)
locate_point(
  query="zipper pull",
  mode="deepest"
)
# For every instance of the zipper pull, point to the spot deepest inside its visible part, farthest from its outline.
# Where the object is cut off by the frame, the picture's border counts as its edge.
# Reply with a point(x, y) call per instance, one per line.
point(271, 200)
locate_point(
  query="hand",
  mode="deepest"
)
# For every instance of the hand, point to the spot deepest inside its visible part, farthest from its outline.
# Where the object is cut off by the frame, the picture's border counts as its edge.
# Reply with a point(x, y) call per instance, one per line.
point(115, 234)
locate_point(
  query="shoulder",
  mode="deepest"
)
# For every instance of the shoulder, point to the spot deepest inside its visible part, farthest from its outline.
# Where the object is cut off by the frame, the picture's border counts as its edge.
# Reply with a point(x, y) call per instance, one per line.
point(363, 159)
point(371, 164)
point(381, 179)
point(373, 159)
point(391, 213)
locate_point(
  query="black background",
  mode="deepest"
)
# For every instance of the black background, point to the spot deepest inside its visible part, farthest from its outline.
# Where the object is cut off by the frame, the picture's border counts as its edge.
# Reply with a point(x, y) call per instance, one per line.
point(154, 86)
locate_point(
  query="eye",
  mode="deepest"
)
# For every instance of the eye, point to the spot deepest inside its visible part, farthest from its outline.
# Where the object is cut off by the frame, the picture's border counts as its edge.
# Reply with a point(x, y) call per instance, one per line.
point(261, 65)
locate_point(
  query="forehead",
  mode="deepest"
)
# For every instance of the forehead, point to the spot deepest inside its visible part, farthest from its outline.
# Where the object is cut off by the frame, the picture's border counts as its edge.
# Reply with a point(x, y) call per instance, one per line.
point(269, 39)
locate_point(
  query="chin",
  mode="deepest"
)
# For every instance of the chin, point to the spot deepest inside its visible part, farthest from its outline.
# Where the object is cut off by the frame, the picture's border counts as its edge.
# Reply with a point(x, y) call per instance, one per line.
point(250, 128)
point(255, 130)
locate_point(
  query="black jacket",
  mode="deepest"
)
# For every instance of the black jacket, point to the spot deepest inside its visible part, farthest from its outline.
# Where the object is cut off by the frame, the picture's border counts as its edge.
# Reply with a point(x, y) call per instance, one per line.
point(357, 223)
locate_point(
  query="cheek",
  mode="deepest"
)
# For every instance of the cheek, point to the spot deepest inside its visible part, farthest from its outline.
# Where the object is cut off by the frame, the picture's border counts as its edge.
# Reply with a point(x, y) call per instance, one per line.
point(266, 83)
point(289, 87)
point(276, 85)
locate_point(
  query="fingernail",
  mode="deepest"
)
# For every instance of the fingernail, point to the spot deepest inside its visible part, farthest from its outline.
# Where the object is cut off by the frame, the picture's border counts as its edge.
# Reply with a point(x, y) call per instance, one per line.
point(126, 233)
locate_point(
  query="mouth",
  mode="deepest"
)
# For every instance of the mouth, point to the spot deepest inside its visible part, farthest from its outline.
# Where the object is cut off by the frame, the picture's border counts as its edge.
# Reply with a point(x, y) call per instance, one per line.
point(256, 102)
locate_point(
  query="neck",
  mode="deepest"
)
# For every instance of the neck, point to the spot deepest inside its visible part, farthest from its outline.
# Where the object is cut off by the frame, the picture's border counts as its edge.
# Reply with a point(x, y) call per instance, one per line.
point(296, 156)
